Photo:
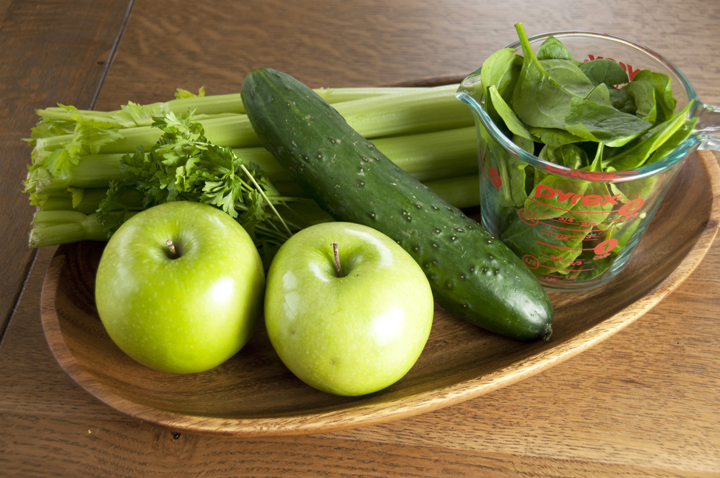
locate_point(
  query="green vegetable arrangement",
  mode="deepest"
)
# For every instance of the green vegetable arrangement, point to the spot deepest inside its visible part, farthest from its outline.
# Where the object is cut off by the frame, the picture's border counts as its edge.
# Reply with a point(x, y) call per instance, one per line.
point(93, 170)
point(587, 116)
point(472, 275)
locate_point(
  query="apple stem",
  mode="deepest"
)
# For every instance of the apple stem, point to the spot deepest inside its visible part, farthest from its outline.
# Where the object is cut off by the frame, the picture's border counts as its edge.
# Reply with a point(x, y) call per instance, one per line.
point(337, 259)
point(171, 248)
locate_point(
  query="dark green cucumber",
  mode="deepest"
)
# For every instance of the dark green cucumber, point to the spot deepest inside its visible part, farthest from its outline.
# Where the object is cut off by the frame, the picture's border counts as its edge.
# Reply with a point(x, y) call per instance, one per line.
point(472, 274)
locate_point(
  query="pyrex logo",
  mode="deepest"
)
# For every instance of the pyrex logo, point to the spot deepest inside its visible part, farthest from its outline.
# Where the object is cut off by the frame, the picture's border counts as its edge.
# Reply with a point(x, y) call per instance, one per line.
point(590, 200)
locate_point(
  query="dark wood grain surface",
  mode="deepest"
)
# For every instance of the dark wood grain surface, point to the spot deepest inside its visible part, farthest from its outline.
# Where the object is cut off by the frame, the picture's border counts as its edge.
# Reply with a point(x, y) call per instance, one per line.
point(52, 52)
point(643, 403)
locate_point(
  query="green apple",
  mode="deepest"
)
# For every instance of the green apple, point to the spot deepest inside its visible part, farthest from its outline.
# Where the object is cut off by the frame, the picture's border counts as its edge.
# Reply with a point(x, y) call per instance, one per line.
point(351, 332)
point(186, 305)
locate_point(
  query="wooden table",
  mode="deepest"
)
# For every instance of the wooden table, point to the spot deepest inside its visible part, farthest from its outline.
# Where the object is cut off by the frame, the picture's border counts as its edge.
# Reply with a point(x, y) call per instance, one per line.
point(644, 402)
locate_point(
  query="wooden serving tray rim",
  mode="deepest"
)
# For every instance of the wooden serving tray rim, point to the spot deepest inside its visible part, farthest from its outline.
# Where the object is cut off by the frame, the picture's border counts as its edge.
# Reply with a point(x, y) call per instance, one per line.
point(384, 411)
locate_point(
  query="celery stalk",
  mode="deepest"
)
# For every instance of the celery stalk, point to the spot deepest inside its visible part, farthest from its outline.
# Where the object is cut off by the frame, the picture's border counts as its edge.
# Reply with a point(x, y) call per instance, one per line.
point(51, 227)
point(62, 201)
point(414, 112)
point(462, 192)
point(433, 155)
point(61, 227)
point(223, 104)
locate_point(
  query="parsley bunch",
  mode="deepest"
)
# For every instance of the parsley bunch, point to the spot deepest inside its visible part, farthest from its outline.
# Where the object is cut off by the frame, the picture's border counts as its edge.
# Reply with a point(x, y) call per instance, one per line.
point(184, 166)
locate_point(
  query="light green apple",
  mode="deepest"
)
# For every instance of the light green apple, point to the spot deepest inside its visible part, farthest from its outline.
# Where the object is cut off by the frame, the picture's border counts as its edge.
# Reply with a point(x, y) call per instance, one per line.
point(352, 334)
point(184, 311)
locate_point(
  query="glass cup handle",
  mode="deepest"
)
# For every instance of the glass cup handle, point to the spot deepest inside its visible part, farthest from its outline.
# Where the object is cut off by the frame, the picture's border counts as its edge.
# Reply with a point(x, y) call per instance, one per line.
point(708, 127)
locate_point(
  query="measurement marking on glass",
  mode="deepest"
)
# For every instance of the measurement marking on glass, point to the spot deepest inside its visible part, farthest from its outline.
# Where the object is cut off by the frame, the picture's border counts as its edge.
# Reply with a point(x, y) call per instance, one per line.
point(563, 248)
point(602, 248)
point(565, 270)
point(569, 220)
point(558, 227)
point(553, 258)
point(568, 210)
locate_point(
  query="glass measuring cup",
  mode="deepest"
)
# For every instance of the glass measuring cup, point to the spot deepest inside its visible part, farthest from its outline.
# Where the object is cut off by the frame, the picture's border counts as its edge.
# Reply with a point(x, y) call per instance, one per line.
point(574, 228)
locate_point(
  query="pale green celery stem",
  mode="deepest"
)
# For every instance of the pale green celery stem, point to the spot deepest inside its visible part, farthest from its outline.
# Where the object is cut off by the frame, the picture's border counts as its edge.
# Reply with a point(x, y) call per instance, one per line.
point(92, 171)
point(62, 201)
point(462, 192)
point(232, 103)
point(434, 155)
point(427, 110)
point(62, 227)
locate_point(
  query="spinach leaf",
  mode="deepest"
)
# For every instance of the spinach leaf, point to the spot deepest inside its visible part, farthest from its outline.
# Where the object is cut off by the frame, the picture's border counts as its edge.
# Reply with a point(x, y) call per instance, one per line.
point(674, 141)
point(512, 176)
point(621, 100)
point(663, 93)
point(508, 116)
point(593, 208)
point(548, 241)
point(643, 95)
point(637, 153)
point(604, 71)
point(568, 75)
point(553, 196)
point(500, 70)
point(527, 145)
point(600, 95)
point(568, 155)
point(537, 99)
point(554, 136)
point(553, 49)
point(600, 123)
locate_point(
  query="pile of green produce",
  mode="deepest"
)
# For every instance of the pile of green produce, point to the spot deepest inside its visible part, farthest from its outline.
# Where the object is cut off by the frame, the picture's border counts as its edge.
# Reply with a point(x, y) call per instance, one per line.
point(587, 116)
point(93, 170)
point(473, 275)
point(348, 305)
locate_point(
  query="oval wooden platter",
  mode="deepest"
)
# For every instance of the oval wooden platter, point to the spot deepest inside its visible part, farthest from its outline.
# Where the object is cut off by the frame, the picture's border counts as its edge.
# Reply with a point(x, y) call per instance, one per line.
point(254, 393)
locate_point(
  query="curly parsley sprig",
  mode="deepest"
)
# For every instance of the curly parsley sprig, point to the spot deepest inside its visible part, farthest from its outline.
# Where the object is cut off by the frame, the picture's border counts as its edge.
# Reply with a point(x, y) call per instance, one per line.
point(184, 166)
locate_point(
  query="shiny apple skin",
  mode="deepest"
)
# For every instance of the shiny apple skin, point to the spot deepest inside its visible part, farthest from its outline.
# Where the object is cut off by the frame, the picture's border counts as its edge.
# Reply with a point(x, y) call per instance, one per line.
point(348, 335)
point(186, 314)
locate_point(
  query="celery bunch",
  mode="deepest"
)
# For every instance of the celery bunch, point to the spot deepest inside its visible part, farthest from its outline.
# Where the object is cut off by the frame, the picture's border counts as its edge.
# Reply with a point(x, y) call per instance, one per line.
point(91, 170)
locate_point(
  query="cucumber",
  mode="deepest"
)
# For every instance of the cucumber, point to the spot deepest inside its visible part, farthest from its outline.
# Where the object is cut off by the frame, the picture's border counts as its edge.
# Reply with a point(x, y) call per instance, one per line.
point(473, 275)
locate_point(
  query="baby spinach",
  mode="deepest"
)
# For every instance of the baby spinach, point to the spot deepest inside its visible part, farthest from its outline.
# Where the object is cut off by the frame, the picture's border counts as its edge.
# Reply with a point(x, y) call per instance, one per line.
point(512, 122)
point(604, 71)
point(553, 49)
point(537, 99)
point(568, 76)
point(673, 141)
point(600, 95)
point(501, 70)
point(635, 154)
point(621, 100)
point(603, 124)
point(643, 95)
point(568, 155)
point(571, 111)
point(540, 240)
point(663, 92)
point(553, 136)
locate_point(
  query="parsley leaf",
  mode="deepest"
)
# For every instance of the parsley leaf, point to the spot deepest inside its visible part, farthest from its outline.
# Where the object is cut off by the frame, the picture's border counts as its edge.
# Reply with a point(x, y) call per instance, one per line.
point(184, 166)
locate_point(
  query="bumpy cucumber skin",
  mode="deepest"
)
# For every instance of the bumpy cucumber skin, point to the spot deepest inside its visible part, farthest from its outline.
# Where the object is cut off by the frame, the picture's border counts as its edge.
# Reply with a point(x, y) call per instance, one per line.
point(473, 275)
